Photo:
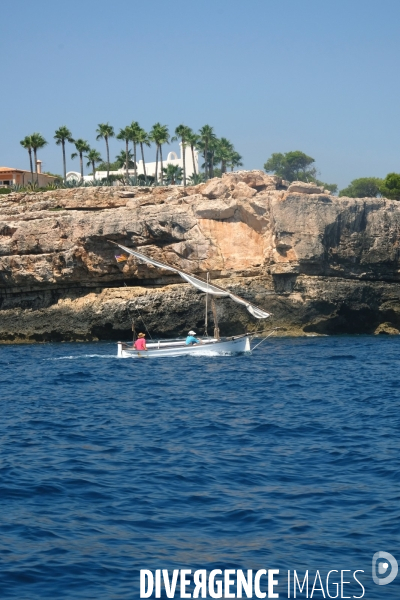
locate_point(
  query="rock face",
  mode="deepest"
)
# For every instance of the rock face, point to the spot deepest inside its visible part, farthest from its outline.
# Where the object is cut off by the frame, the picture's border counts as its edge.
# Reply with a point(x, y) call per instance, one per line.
point(319, 263)
point(305, 188)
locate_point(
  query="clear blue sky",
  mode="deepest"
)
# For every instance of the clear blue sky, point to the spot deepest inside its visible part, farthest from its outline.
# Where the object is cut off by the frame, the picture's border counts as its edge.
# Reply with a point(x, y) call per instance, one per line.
point(320, 76)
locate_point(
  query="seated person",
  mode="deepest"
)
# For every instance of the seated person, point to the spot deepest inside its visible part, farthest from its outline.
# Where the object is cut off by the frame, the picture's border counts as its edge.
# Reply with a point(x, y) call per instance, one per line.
point(140, 343)
point(191, 339)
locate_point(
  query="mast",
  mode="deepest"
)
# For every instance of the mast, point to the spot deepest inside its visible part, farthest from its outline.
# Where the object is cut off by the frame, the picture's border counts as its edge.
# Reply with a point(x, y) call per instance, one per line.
point(206, 319)
point(214, 311)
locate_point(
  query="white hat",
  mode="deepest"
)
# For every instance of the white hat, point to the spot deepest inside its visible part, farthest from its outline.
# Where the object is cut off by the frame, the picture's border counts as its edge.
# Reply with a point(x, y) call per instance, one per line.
point(192, 333)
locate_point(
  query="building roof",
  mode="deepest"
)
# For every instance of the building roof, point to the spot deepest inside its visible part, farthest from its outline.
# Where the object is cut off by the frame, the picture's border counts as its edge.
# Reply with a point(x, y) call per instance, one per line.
point(11, 170)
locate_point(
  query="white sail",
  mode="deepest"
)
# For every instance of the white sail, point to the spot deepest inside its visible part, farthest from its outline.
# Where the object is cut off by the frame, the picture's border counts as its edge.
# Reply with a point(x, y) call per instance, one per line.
point(200, 284)
point(204, 286)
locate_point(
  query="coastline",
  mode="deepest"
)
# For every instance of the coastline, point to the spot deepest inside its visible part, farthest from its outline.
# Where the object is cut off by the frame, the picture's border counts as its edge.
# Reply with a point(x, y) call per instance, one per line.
point(170, 310)
point(320, 264)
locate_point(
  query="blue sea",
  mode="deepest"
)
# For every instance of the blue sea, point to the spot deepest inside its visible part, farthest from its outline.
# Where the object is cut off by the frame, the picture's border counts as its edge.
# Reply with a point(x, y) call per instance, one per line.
point(284, 459)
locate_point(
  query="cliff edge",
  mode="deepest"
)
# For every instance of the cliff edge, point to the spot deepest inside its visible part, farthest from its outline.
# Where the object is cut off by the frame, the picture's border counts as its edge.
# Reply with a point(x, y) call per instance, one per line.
point(321, 264)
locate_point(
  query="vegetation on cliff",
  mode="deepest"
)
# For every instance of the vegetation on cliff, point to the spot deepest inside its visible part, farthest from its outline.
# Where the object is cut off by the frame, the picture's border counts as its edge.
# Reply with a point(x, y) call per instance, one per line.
point(218, 155)
point(373, 187)
point(215, 151)
point(364, 187)
point(296, 166)
point(390, 187)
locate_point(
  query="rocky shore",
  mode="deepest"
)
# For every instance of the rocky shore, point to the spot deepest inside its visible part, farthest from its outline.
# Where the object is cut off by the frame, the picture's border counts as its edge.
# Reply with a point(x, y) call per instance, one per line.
point(319, 263)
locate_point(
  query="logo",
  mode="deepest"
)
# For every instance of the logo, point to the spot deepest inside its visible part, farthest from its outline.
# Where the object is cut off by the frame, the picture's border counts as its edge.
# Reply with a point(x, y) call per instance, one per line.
point(380, 566)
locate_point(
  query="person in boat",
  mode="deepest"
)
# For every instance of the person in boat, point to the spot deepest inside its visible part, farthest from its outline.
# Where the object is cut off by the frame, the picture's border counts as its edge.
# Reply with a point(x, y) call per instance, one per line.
point(140, 343)
point(192, 339)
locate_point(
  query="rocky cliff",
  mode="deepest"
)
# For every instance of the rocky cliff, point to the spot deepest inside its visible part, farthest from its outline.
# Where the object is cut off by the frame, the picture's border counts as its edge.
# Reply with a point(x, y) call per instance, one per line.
point(319, 263)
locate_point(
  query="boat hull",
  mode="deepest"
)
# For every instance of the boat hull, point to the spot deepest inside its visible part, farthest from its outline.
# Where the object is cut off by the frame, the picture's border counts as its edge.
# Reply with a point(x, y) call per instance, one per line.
point(173, 348)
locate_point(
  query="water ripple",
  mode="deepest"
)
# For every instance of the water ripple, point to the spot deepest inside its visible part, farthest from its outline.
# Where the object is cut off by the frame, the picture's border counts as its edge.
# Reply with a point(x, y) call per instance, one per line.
point(288, 459)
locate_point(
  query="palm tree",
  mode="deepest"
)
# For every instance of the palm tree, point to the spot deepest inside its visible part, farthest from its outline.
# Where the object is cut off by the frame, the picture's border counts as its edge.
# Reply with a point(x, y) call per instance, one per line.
point(209, 163)
point(105, 131)
point(192, 139)
point(153, 137)
point(159, 135)
point(223, 154)
point(81, 147)
point(125, 135)
point(182, 132)
point(172, 173)
point(207, 136)
point(93, 157)
point(63, 135)
point(134, 129)
point(37, 142)
point(121, 158)
point(196, 178)
point(163, 139)
point(143, 138)
point(235, 160)
point(27, 144)
point(212, 150)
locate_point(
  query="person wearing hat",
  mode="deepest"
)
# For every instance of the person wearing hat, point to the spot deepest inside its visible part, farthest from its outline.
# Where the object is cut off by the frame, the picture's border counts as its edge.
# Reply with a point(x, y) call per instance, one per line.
point(191, 339)
point(140, 343)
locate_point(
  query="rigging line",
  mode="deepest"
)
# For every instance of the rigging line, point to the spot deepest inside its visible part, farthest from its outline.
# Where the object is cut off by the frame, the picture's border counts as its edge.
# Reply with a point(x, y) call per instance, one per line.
point(206, 319)
point(140, 316)
point(132, 319)
point(144, 322)
point(266, 337)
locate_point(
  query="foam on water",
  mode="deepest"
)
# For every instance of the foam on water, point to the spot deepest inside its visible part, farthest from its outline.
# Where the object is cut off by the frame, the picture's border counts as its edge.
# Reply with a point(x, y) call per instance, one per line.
point(80, 357)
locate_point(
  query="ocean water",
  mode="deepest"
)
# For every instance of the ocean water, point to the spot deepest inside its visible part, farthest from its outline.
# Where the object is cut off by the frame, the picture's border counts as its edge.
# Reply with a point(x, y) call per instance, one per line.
point(285, 459)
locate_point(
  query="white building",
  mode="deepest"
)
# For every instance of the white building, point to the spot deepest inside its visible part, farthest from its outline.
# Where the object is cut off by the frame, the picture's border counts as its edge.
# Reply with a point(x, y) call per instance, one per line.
point(172, 159)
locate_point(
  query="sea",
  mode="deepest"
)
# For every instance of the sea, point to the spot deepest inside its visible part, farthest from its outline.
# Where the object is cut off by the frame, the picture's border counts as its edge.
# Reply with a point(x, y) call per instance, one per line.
point(287, 459)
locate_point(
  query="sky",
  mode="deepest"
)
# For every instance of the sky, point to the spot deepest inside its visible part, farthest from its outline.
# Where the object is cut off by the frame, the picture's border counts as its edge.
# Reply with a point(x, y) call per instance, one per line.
point(321, 76)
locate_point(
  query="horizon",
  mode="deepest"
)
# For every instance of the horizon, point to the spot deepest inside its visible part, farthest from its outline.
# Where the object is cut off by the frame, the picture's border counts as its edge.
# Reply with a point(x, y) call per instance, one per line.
point(309, 77)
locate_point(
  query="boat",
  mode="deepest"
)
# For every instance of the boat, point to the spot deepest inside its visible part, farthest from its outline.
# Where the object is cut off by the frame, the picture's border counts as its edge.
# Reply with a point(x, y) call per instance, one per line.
point(209, 345)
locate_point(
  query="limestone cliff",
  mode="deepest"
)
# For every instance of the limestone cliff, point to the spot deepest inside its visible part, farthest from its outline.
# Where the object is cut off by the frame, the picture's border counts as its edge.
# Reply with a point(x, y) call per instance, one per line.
point(319, 263)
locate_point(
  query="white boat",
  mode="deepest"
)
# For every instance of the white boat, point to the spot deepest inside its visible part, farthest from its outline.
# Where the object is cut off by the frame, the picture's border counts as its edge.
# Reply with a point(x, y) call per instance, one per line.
point(207, 346)
point(177, 347)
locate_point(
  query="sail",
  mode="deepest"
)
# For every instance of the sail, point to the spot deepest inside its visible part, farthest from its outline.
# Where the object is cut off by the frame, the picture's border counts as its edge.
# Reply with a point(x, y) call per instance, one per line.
point(200, 284)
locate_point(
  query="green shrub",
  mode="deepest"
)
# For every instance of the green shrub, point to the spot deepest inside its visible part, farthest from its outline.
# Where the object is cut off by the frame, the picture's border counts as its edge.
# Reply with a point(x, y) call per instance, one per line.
point(364, 187)
point(390, 187)
point(196, 178)
point(5, 190)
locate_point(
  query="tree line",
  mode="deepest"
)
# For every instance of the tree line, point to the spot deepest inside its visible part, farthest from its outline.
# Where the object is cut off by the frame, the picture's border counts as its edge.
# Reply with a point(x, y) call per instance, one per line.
point(297, 166)
point(372, 187)
point(215, 151)
point(291, 166)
